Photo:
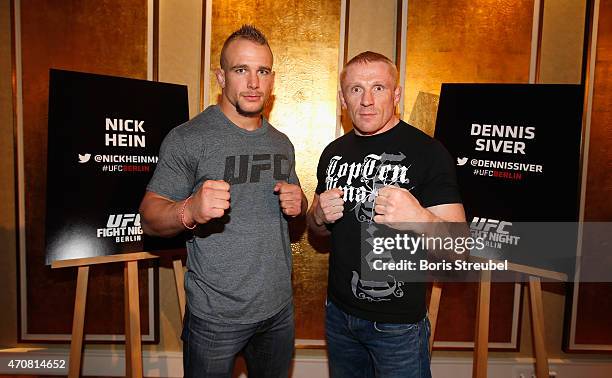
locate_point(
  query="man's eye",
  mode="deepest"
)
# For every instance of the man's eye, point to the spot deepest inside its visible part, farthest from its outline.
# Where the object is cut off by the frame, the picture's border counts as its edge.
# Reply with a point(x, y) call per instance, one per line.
point(263, 72)
point(355, 90)
point(379, 88)
point(240, 70)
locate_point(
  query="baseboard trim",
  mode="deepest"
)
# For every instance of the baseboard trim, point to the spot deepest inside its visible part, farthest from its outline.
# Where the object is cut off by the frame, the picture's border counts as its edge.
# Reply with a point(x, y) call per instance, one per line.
point(170, 364)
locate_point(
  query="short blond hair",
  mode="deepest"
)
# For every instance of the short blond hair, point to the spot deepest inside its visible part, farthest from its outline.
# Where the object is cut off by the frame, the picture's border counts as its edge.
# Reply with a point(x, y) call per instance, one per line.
point(369, 57)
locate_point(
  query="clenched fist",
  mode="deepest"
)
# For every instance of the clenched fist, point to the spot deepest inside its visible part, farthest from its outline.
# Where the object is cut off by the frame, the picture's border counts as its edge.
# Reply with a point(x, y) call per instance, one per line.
point(330, 207)
point(395, 205)
point(210, 201)
point(290, 198)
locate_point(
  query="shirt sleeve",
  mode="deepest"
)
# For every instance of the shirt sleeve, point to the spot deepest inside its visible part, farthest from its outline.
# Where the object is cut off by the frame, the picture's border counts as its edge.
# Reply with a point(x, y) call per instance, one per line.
point(174, 176)
point(321, 173)
point(293, 177)
point(441, 179)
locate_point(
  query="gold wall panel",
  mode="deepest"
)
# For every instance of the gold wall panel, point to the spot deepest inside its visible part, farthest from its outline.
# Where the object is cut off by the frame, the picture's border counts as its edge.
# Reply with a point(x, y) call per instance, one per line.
point(562, 41)
point(372, 27)
point(105, 37)
point(469, 41)
point(179, 57)
point(304, 37)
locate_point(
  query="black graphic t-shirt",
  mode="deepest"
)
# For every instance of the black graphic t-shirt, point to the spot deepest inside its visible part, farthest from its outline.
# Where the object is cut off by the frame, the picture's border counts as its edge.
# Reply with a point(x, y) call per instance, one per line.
point(360, 165)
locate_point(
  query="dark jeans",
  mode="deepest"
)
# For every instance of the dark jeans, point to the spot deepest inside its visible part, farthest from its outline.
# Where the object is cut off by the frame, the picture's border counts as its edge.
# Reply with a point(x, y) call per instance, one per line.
point(209, 349)
point(361, 348)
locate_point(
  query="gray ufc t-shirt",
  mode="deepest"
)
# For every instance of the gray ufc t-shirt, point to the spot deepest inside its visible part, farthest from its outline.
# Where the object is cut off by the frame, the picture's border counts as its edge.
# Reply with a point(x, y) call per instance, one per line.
point(238, 266)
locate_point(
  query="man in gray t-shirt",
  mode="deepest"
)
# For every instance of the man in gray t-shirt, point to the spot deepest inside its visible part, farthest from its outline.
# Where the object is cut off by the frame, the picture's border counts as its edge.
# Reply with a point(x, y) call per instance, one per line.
point(229, 176)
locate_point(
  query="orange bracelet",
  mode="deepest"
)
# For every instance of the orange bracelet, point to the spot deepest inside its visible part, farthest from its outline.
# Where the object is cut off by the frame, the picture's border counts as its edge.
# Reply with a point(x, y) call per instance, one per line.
point(182, 214)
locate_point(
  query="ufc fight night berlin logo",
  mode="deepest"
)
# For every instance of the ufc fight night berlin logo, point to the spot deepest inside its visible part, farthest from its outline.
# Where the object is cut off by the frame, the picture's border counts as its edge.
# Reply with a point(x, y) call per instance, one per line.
point(123, 227)
point(495, 233)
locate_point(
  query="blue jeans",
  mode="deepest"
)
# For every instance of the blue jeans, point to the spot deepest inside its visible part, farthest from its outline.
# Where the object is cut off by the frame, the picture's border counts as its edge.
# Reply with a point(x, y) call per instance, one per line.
point(361, 348)
point(210, 349)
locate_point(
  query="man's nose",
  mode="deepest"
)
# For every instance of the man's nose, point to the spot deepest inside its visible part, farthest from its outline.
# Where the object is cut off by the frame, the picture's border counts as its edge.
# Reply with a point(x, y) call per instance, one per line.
point(253, 81)
point(367, 99)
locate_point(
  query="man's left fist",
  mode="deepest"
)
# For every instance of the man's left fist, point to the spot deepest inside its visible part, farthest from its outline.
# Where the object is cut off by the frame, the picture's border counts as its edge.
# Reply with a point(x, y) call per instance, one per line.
point(398, 205)
point(290, 197)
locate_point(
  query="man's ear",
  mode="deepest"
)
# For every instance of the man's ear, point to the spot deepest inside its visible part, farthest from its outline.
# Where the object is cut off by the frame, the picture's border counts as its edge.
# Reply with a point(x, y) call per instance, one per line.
point(341, 97)
point(397, 94)
point(220, 74)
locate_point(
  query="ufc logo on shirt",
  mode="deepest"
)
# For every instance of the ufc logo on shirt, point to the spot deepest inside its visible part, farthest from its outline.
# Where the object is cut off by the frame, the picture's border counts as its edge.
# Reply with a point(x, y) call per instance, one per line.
point(243, 168)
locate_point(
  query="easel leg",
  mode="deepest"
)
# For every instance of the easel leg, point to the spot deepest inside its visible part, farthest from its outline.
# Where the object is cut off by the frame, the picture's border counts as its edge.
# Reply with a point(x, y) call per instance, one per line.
point(537, 326)
point(434, 306)
point(481, 339)
point(179, 278)
point(126, 311)
point(78, 323)
point(133, 351)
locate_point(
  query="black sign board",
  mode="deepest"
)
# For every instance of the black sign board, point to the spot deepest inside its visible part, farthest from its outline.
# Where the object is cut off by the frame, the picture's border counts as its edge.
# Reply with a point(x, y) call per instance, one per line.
point(103, 139)
point(517, 154)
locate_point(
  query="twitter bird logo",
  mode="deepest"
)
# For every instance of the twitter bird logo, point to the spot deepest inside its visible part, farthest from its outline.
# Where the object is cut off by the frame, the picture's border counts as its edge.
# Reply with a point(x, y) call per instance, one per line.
point(84, 158)
point(462, 161)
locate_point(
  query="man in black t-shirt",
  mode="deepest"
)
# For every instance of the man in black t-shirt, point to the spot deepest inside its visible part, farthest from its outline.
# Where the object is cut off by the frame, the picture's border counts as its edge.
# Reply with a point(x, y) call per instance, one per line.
point(382, 172)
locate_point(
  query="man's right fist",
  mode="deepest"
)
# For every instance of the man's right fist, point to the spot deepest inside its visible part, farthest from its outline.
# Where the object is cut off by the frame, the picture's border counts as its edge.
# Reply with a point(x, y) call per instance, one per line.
point(210, 201)
point(330, 206)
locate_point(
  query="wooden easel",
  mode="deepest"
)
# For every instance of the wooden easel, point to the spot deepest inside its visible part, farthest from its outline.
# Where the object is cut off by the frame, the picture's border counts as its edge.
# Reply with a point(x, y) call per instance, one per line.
point(179, 279)
point(481, 336)
point(133, 350)
point(434, 306)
